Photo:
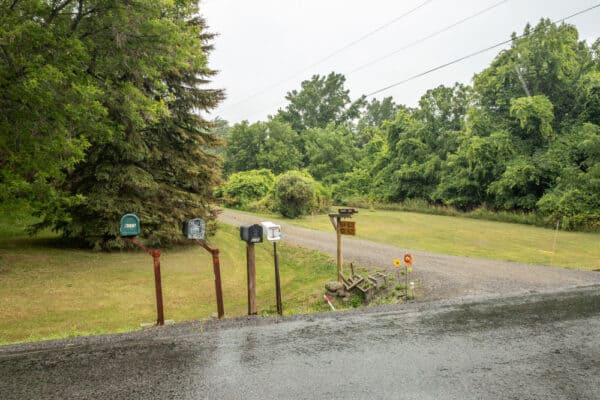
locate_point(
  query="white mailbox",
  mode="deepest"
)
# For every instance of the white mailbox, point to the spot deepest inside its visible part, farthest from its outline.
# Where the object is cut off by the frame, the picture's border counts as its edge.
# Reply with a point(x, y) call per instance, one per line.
point(272, 231)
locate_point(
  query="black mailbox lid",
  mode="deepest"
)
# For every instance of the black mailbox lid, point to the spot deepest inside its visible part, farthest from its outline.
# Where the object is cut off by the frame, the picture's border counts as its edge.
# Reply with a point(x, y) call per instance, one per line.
point(251, 233)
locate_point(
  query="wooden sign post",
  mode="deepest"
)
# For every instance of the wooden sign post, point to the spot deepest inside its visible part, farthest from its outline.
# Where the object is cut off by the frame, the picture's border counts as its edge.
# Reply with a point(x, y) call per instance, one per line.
point(342, 228)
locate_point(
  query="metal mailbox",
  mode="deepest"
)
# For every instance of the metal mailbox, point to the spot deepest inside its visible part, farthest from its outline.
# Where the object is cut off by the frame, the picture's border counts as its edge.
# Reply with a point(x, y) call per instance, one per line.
point(129, 225)
point(347, 212)
point(251, 233)
point(194, 229)
point(272, 231)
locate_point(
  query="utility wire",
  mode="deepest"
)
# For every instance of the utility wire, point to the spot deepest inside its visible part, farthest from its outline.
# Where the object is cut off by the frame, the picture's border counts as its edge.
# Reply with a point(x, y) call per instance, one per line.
point(409, 45)
point(425, 38)
point(473, 54)
point(330, 55)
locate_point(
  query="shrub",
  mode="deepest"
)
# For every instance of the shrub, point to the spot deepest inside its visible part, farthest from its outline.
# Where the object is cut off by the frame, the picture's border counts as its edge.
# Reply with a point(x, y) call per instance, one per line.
point(243, 188)
point(295, 194)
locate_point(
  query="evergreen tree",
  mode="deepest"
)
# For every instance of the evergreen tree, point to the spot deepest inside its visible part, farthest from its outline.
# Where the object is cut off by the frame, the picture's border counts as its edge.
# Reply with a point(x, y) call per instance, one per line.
point(148, 60)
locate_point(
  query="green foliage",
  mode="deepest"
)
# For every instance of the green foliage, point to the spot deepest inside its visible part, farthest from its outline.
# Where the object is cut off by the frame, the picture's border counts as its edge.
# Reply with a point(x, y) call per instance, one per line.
point(476, 164)
point(356, 301)
point(272, 145)
point(242, 188)
point(376, 112)
point(321, 101)
point(50, 110)
point(535, 115)
point(575, 199)
point(295, 194)
point(330, 152)
point(99, 115)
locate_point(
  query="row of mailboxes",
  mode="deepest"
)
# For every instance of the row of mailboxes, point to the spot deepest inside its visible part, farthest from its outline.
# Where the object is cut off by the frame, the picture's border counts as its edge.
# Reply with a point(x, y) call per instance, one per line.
point(195, 229)
point(254, 233)
point(129, 226)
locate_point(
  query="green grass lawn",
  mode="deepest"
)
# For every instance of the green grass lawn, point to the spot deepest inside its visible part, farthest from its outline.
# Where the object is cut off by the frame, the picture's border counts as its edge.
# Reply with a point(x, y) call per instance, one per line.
point(52, 292)
point(471, 237)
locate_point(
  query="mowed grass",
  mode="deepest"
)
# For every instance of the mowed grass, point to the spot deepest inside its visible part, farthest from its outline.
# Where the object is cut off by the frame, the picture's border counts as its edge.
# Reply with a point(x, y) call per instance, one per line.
point(471, 237)
point(52, 292)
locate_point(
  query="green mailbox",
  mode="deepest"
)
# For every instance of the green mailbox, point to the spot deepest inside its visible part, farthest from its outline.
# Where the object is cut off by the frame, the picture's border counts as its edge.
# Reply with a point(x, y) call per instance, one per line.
point(129, 225)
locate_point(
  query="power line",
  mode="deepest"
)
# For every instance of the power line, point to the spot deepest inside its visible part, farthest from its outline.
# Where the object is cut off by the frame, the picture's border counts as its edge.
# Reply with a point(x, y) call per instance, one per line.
point(331, 55)
point(472, 54)
point(425, 38)
point(407, 46)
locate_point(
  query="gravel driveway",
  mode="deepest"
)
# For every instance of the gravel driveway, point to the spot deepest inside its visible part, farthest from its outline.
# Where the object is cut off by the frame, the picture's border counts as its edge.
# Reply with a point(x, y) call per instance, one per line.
point(441, 276)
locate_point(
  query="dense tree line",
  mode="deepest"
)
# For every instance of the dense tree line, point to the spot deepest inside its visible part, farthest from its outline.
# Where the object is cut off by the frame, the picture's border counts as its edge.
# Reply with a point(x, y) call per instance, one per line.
point(100, 104)
point(524, 137)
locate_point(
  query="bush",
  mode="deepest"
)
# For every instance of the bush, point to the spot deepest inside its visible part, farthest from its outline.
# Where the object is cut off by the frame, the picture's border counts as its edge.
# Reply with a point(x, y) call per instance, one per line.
point(246, 187)
point(295, 194)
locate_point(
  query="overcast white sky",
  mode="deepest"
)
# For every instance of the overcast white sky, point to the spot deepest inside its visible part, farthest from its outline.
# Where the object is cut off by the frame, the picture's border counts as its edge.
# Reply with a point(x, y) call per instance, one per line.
point(264, 42)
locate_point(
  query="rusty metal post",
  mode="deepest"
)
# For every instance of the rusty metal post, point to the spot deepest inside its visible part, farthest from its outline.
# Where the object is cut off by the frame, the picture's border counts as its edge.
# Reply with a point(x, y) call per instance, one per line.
point(160, 317)
point(217, 273)
point(251, 270)
point(218, 289)
point(277, 282)
point(158, 287)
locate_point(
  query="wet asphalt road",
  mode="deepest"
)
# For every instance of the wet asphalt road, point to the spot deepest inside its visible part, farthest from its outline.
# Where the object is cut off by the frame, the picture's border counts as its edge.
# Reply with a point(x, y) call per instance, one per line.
point(541, 346)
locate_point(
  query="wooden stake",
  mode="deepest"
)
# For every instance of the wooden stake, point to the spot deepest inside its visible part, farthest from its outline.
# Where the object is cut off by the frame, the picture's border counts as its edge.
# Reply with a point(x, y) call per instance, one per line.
point(339, 250)
point(554, 244)
point(251, 267)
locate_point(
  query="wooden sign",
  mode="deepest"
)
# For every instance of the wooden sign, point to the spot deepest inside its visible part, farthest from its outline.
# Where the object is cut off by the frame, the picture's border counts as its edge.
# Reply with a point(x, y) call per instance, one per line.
point(348, 228)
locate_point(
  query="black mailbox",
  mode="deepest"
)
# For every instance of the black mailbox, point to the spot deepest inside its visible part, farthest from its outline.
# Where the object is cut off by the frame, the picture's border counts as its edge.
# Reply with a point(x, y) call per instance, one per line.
point(347, 211)
point(194, 229)
point(251, 233)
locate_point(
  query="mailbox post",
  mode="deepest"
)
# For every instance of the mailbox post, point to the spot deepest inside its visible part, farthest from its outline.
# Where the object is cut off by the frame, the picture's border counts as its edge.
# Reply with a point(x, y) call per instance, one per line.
point(273, 234)
point(129, 228)
point(195, 229)
point(251, 234)
point(342, 228)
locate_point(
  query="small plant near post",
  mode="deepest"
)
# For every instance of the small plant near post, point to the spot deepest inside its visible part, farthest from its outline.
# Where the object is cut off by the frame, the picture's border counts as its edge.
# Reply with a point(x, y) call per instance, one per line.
point(397, 264)
point(408, 262)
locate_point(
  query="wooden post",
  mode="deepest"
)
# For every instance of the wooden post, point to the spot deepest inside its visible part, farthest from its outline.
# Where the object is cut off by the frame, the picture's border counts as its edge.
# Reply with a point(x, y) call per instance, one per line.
point(160, 317)
point(277, 282)
point(340, 259)
point(217, 273)
point(160, 320)
point(251, 267)
point(218, 289)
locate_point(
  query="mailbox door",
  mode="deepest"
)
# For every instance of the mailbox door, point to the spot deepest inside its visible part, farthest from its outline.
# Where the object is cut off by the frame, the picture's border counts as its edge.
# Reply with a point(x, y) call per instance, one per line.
point(129, 225)
point(255, 233)
point(195, 229)
point(251, 233)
